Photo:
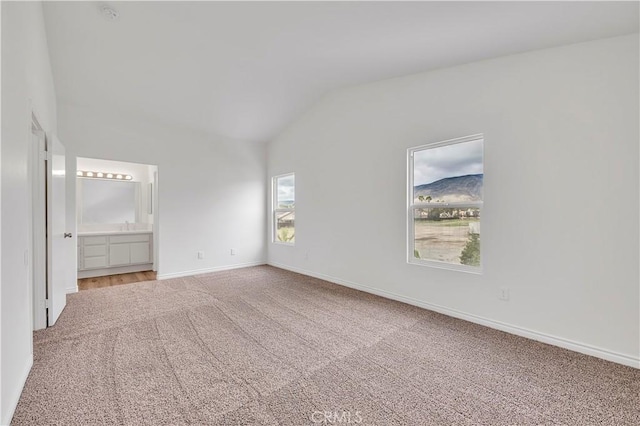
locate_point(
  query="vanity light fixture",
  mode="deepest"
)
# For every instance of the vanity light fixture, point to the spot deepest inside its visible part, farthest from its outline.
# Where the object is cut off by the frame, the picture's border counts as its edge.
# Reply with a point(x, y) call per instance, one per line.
point(103, 175)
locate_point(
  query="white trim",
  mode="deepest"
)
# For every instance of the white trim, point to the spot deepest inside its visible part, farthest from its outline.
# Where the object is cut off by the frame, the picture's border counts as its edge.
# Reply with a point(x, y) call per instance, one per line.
point(16, 396)
point(275, 209)
point(454, 141)
point(208, 270)
point(412, 206)
point(156, 224)
point(73, 289)
point(445, 265)
point(38, 247)
point(572, 345)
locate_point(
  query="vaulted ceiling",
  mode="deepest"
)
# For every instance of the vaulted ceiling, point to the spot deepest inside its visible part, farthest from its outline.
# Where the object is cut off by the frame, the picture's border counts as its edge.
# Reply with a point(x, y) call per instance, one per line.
point(244, 70)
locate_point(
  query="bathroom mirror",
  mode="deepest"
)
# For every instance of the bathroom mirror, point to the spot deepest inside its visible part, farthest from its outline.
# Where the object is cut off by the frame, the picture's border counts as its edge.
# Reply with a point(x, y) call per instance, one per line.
point(108, 201)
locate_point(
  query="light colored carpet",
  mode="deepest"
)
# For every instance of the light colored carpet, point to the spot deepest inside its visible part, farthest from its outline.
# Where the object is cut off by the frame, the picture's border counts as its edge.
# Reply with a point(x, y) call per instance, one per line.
point(266, 346)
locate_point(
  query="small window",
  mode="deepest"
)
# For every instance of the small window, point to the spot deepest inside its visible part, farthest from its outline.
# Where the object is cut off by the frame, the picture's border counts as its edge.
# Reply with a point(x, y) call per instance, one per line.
point(445, 204)
point(284, 213)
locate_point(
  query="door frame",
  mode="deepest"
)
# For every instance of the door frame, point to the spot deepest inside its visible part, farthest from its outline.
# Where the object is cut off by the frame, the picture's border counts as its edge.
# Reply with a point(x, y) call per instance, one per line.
point(156, 224)
point(38, 223)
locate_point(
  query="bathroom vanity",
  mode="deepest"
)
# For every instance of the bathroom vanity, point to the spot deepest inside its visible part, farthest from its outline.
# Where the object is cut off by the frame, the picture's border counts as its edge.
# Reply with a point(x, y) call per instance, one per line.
point(114, 252)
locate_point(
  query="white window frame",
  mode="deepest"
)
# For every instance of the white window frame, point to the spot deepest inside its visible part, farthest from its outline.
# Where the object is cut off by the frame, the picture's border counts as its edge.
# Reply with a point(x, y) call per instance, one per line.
point(413, 206)
point(275, 209)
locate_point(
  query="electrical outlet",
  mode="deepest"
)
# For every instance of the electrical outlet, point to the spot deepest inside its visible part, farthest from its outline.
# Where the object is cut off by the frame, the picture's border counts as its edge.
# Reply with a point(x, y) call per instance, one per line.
point(234, 252)
point(200, 255)
point(504, 293)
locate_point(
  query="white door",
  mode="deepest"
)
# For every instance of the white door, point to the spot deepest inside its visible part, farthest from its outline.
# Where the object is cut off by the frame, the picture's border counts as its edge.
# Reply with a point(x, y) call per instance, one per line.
point(58, 240)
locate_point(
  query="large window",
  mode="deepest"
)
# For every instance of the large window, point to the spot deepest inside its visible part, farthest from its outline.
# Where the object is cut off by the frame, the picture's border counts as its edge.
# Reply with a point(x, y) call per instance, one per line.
point(445, 204)
point(284, 204)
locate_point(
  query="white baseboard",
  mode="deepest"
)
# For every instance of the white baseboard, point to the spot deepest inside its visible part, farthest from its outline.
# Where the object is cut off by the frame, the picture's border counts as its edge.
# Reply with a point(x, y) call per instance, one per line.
point(90, 273)
point(208, 270)
point(498, 325)
point(72, 289)
point(15, 397)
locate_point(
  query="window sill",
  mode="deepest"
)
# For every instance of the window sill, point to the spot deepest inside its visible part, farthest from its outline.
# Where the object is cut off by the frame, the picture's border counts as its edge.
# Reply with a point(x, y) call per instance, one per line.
point(477, 270)
point(282, 243)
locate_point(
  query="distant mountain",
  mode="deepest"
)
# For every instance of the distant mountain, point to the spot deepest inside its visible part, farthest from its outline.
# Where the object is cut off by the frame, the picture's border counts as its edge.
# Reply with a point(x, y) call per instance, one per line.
point(453, 189)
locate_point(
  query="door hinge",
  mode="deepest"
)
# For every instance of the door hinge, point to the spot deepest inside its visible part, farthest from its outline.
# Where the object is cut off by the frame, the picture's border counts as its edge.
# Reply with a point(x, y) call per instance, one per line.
point(45, 155)
point(47, 303)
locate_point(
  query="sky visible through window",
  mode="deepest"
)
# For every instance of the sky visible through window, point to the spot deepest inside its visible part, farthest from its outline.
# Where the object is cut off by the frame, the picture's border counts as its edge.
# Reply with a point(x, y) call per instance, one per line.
point(286, 190)
point(460, 159)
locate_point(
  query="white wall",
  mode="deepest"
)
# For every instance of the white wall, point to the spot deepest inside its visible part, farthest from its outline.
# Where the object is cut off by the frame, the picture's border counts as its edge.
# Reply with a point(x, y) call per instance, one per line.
point(26, 76)
point(1, 416)
point(561, 191)
point(211, 190)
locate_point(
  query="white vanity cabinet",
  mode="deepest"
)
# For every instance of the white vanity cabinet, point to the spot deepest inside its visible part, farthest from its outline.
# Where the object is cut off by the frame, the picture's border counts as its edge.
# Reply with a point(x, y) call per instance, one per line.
point(114, 253)
point(129, 249)
point(92, 252)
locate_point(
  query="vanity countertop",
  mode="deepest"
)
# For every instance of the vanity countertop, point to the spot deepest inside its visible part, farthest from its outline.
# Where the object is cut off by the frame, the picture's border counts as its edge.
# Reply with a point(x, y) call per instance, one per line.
point(92, 233)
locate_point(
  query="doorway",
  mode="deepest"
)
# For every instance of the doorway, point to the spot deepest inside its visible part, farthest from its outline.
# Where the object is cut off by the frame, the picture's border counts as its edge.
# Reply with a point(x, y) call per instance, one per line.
point(117, 222)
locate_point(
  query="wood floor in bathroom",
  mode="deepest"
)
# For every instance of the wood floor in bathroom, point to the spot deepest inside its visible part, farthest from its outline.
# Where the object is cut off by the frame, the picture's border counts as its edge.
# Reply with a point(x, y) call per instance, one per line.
point(111, 280)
